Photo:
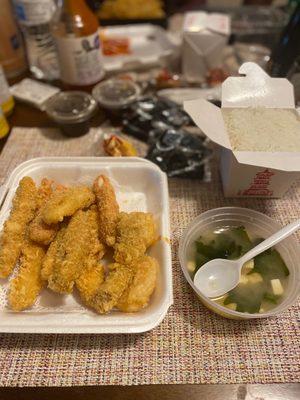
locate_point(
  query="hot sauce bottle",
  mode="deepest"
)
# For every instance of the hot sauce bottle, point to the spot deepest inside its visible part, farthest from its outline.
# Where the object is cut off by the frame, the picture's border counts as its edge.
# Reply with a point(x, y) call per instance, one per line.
point(75, 29)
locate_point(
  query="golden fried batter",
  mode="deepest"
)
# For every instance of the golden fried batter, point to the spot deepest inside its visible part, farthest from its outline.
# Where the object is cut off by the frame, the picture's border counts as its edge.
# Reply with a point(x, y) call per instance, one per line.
point(52, 253)
point(108, 209)
point(137, 295)
point(26, 286)
point(136, 231)
point(44, 191)
point(111, 290)
point(89, 282)
point(118, 147)
point(23, 207)
point(66, 202)
point(79, 243)
point(39, 231)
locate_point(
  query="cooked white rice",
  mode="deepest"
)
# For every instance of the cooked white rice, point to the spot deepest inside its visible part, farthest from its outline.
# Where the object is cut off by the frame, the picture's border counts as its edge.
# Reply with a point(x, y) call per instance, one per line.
point(263, 129)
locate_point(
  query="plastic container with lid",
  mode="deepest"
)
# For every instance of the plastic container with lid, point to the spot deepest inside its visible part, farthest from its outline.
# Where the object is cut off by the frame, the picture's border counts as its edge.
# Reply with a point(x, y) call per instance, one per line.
point(257, 224)
point(114, 94)
point(72, 111)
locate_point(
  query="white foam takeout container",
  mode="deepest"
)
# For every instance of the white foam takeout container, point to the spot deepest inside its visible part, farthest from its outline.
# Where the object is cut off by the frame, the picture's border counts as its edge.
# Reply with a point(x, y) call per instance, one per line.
point(149, 46)
point(140, 186)
point(248, 173)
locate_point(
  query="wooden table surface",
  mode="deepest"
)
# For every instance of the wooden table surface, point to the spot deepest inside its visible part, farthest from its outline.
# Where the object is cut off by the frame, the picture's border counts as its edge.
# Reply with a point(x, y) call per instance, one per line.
point(25, 115)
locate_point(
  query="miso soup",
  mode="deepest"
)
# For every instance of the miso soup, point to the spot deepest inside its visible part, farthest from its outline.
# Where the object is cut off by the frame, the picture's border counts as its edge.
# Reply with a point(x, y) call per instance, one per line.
point(264, 279)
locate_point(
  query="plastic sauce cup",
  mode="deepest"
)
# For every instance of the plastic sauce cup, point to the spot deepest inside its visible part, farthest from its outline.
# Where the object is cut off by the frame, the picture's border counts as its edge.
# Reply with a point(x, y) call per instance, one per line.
point(116, 94)
point(257, 224)
point(72, 111)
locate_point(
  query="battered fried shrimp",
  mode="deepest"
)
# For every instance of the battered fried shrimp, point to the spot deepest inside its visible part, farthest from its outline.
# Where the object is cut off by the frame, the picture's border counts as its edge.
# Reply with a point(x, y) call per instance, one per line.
point(79, 243)
point(54, 250)
point(23, 208)
point(135, 233)
point(26, 286)
point(137, 295)
point(66, 202)
point(108, 209)
point(111, 290)
point(89, 282)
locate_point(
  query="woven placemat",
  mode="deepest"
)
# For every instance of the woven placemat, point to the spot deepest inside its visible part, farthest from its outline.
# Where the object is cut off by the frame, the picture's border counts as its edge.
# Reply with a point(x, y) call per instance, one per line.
point(191, 345)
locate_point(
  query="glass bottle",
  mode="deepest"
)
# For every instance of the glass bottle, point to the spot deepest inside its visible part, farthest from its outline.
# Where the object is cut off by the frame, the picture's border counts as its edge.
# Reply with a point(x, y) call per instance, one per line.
point(75, 29)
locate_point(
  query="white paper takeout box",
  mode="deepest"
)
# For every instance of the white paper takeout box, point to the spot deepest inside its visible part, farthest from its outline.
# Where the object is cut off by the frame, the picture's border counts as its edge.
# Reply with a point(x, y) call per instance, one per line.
point(204, 37)
point(248, 173)
point(140, 186)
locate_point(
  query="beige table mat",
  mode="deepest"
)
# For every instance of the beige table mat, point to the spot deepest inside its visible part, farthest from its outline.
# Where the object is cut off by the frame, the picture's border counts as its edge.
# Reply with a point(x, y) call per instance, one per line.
point(191, 345)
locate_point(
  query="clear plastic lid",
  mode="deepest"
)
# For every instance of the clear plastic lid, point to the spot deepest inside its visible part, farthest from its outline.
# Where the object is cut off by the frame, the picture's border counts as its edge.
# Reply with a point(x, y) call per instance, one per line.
point(116, 93)
point(71, 107)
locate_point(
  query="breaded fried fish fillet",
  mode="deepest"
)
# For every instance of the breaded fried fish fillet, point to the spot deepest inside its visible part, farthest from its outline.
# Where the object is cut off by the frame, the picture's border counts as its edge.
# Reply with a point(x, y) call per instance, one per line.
point(54, 250)
point(90, 281)
point(66, 202)
point(79, 243)
point(136, 231)
point(109, 293)
point(26, 286)
point(108, 209)
point(38, 230)
point(137, 295)
point(23, 208)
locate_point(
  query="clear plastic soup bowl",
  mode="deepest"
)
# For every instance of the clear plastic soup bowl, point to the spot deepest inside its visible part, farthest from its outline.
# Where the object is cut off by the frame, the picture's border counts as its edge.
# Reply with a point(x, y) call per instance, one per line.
point(257, 224)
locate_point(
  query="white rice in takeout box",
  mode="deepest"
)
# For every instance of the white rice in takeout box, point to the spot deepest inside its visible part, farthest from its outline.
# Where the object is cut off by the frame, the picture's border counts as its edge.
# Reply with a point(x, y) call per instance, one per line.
point(259, 131)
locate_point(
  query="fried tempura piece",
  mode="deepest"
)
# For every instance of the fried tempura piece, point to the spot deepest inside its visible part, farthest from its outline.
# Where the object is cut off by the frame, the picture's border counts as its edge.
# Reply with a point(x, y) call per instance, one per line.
point(117, 147)
point(44, 191)
point(54, 249)
point(26, 286)
point(108, 209)
point(79, 243)
point(89, 282)
point(23, 207)
point(136, 231)
point(111, 290)
point(137, 295)
point(65, 203)
point(38, 230)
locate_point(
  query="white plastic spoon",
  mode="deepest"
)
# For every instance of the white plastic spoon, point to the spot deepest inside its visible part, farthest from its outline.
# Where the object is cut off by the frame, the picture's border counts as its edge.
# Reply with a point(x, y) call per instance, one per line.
point(219, 276)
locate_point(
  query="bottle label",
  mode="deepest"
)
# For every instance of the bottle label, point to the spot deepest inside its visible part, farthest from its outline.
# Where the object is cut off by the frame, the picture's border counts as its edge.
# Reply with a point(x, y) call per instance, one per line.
point(80, 59)
point(34, 12)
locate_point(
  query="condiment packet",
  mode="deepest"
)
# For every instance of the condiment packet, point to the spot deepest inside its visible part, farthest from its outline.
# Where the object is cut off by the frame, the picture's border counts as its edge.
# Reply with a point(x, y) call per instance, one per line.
point(33, 92)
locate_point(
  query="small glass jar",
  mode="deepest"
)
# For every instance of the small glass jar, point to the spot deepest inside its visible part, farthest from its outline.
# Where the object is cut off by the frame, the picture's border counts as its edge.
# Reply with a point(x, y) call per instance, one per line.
point(72, 111)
